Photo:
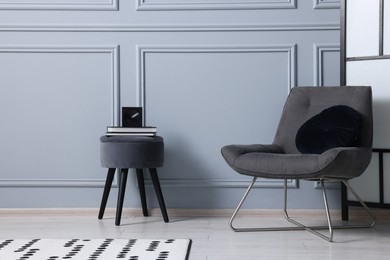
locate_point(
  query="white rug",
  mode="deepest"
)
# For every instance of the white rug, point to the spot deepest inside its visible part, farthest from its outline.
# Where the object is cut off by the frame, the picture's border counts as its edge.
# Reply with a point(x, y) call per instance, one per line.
point(93, 249)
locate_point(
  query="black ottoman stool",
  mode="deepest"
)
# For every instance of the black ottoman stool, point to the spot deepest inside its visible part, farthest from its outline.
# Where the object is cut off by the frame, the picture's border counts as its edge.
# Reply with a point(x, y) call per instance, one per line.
point(138, 152)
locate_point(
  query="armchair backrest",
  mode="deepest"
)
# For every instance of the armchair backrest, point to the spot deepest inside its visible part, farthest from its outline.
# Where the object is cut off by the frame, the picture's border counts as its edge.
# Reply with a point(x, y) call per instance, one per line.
point(305, 102)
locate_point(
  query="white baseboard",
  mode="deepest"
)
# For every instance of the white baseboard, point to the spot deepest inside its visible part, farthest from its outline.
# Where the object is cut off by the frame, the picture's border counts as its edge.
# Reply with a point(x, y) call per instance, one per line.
point(176, 212)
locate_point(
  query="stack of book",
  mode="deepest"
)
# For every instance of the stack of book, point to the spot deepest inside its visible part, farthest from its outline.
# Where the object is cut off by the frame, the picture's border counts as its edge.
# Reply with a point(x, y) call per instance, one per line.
point(140, 131)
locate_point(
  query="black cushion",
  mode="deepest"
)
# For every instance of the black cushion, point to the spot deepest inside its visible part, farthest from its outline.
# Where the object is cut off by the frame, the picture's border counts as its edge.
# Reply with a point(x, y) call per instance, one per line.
point(336, 126)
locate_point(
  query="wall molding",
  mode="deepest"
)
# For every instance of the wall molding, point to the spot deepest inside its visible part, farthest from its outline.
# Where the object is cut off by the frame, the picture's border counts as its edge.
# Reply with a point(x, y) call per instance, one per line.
point(113, 51)
point(289, 50)
point(170, 27)
point(61, 5)
point(223, 183)
point(326, 4)
point(147, 5)
point(63, 183)
point(319, 52)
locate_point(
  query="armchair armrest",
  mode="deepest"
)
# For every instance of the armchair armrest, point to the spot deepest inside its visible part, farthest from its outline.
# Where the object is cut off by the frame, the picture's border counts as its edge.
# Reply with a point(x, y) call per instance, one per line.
point(352, 161)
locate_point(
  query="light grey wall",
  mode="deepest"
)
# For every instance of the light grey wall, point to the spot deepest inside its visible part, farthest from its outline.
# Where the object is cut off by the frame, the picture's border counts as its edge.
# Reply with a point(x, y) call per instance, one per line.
point(208, 73)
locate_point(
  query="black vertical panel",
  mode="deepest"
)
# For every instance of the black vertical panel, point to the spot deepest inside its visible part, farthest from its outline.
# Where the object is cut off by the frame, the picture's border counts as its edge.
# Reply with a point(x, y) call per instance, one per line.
point(343, 41)
point(343, 76)
point(381, 15)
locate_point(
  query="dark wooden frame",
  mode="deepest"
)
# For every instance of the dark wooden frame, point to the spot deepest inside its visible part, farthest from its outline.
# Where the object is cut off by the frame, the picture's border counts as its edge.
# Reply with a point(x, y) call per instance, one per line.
point(343, 69)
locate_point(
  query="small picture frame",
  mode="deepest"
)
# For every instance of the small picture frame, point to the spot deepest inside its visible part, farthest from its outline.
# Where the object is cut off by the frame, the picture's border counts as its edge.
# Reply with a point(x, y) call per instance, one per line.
point(132, 116)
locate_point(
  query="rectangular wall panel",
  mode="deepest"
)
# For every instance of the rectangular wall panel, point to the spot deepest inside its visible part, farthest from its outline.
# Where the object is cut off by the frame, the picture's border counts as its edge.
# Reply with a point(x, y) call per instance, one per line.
point(59, 5)
point(56, 104)
point(327, 69)
point(206, 87)
point(216, 5)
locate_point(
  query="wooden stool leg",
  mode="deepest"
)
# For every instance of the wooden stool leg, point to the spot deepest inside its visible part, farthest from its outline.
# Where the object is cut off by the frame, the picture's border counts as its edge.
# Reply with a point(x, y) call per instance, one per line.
point(141, 186)
point(157, 189)
point(121, 195)
point(106, 192)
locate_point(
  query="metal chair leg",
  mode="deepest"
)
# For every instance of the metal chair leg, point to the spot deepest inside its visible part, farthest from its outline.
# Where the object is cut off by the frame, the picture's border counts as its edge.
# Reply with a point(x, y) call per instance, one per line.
point(249, 229)
point(300, 226)
point(311, 229)
point(373, 221)
point(239, 207)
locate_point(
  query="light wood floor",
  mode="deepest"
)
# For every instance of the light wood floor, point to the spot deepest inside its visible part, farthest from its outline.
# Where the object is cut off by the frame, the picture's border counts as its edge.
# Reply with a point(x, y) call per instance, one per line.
point(211, 236)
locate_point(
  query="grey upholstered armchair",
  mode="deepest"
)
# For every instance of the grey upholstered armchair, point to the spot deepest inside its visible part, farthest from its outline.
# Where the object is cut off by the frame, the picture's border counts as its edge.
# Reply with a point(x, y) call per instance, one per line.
point(325, 133)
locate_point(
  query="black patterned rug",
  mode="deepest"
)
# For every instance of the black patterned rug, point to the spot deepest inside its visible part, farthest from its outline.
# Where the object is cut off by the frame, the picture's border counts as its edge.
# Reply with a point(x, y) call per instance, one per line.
point(94, 249)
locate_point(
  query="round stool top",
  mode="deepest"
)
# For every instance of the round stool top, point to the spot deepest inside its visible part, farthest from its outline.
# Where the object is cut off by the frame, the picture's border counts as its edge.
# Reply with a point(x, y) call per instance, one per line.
point(129, 151)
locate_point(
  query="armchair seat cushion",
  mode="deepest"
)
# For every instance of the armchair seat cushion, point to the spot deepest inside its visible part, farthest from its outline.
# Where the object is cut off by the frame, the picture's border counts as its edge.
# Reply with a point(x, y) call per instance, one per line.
point(269, 162)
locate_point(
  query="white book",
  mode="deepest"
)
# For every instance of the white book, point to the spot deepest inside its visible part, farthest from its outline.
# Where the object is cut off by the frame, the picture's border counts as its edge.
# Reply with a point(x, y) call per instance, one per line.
point(127, 134)
point(118, 129)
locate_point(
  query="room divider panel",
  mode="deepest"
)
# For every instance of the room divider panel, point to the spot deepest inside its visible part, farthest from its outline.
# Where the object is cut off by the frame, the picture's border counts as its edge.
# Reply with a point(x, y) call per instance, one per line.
point(365, 60)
